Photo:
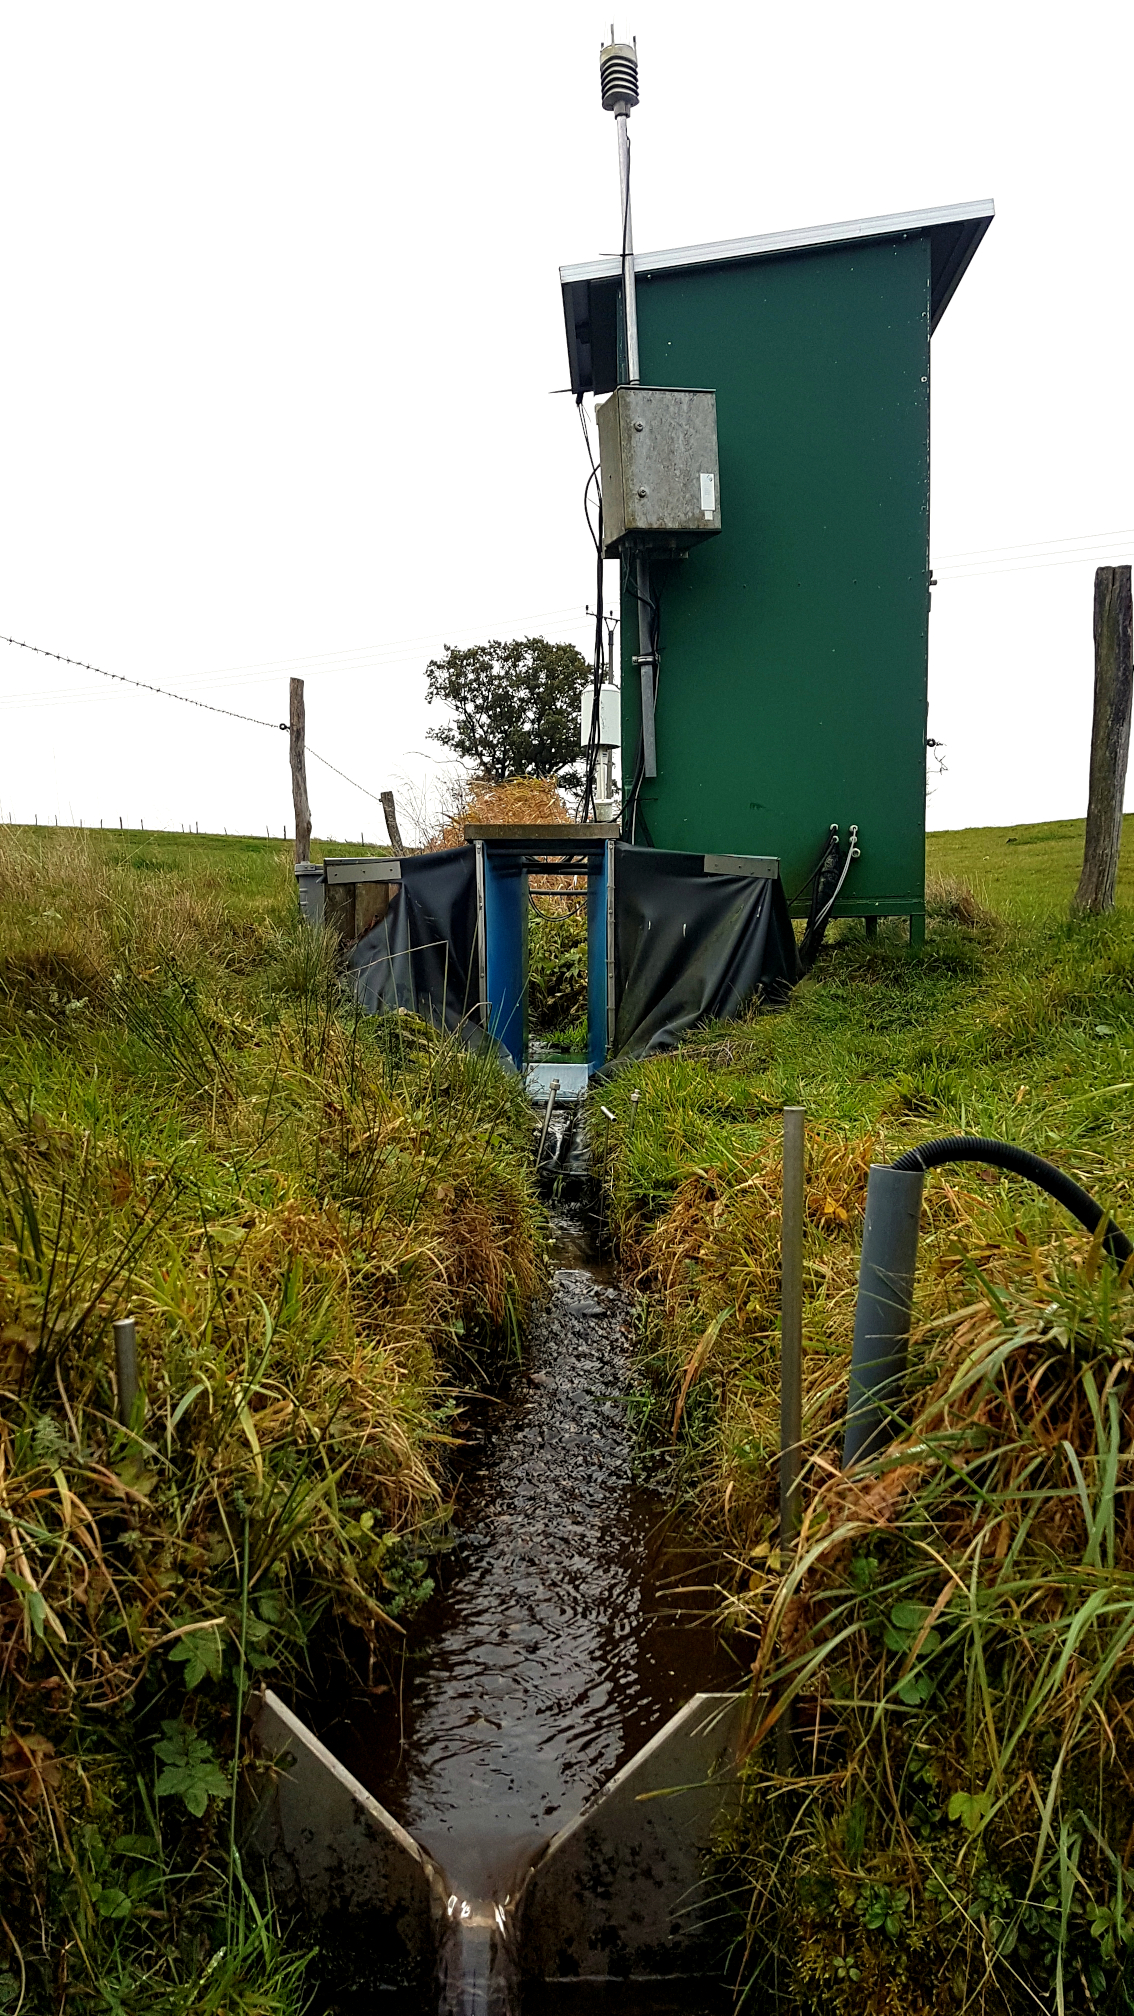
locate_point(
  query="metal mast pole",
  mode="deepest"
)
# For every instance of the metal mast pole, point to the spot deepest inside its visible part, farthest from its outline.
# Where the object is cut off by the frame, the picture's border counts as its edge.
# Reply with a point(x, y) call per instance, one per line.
point(629, 288)
point(618, 69)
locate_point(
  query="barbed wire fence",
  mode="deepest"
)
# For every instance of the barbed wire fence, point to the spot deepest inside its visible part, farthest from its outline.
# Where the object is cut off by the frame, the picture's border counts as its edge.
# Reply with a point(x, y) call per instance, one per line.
point(382, 799)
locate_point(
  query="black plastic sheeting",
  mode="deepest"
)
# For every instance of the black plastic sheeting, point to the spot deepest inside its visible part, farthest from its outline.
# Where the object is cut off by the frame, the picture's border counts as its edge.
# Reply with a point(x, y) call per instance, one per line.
point(691, 947)
point(688, 947)
point(422, 956)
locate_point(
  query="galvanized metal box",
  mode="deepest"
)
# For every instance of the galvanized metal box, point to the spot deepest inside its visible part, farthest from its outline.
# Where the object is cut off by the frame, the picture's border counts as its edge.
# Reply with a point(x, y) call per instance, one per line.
point(661, 486)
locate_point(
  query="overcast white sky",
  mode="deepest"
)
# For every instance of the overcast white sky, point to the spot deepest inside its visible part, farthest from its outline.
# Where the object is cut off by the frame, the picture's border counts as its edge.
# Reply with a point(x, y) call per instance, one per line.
point(281, 325)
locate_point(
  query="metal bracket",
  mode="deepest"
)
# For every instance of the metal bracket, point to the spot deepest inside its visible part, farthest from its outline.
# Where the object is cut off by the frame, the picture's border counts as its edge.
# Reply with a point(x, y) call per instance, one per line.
point(765, 866)
point(368, 868)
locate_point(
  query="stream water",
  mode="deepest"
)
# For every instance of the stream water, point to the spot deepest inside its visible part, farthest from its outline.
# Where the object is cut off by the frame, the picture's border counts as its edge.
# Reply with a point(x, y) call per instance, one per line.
point(574, 1616)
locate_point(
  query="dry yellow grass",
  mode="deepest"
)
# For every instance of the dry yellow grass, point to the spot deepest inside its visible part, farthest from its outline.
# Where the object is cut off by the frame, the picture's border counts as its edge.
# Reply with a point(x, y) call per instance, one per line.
point(520, 801)
point(956, 1639)
point(711, 1270)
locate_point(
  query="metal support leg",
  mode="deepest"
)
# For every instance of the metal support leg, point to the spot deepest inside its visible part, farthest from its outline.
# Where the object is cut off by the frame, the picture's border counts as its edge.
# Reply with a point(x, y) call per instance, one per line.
point(872, 927)
point(917, 928)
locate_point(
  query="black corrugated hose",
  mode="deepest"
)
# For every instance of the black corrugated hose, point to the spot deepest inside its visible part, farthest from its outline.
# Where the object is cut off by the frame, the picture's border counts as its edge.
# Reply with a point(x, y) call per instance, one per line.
point(1020, 1162)
point(826, 878)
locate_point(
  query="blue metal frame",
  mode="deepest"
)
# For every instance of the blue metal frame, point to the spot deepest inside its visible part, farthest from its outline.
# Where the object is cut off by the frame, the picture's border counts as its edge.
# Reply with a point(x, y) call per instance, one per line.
point(506, 867)
point(506, 950)
point(598, 978)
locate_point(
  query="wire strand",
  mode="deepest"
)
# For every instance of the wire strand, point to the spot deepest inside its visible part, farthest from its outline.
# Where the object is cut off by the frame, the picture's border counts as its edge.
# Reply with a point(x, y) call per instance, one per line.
point(346, 780)
point(165, 693)
point(144, 685)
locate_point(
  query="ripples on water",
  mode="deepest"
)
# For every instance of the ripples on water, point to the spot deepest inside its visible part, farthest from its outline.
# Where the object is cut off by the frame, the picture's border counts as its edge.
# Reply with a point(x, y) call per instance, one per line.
point(556, 1646)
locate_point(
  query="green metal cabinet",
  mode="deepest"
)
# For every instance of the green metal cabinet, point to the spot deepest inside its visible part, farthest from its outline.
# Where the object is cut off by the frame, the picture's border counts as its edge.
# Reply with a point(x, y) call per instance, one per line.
point(792, 688)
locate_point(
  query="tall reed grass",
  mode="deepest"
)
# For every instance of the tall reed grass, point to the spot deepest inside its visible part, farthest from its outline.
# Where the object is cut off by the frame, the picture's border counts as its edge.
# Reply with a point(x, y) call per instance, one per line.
point(1025, 1032)
point(955, 1642)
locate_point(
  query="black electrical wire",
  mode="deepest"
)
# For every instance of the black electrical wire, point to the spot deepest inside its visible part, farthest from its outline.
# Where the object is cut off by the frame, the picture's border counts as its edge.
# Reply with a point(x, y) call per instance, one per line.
point(587, 807)
point(820, 864)
point(630, 805)
point(828, 876)
point(1021, 1162)
point(828, 879)
point(827, 903)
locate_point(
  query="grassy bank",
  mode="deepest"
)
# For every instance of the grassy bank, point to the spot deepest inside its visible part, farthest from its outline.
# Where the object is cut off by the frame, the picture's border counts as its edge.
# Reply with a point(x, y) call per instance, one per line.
point(325, 1230)
point(958, 1632)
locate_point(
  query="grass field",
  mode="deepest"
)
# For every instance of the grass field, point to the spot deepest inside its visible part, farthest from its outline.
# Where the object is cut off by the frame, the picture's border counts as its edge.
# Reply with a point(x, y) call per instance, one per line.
point(1024, 871)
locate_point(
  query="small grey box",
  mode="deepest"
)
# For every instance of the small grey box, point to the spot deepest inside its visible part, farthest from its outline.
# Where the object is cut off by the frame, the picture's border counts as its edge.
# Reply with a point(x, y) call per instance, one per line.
point(661, 485)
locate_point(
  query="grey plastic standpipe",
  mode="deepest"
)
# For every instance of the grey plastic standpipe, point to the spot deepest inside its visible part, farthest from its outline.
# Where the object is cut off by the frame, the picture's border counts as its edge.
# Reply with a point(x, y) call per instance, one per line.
point(312, 890)
point(126, 1366)
point(884, 1309)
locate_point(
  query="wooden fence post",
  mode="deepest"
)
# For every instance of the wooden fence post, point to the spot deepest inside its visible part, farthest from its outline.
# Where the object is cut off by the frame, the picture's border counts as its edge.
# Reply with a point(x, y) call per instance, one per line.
point(392, 822)
point(1110, 738)
point(299, 799)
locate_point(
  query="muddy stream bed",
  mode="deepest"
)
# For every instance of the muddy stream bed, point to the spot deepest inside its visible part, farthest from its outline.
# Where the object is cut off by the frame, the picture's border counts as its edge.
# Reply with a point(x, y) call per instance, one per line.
point(572, 1617)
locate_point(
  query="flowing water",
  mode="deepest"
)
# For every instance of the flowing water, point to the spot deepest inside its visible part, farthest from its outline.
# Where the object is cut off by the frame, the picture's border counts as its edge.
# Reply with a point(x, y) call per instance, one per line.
point(573, 1618)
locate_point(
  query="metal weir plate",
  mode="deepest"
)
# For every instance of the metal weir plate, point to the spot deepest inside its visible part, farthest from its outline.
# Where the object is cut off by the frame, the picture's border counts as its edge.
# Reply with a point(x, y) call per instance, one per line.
point(573, 1079)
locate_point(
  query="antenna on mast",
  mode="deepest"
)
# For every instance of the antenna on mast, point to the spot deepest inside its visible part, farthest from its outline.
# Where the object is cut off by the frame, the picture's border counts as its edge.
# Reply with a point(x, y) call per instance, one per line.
point(618, 76)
